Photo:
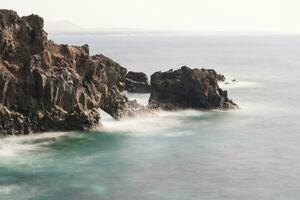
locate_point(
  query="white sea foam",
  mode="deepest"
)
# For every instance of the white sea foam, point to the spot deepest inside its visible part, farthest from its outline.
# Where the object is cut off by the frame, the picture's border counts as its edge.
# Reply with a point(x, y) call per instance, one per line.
point(8, 189)
point(141, 98)
point(13, 145)
point(238, 84)
point(161, 123)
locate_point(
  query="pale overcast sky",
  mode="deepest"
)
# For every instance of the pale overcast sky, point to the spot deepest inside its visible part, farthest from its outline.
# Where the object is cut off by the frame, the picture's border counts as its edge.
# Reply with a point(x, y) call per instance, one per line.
point(185, 15)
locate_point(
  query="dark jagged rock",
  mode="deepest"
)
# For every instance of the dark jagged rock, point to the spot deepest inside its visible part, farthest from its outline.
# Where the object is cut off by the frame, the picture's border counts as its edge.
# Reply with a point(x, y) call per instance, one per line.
point(12, 122)
point(213, 73)
point(137, 82)
point(46, 86)
point(188, 88)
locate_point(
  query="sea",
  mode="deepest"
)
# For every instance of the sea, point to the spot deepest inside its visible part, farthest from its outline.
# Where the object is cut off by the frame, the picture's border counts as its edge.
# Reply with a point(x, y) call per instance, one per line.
point(251, 153)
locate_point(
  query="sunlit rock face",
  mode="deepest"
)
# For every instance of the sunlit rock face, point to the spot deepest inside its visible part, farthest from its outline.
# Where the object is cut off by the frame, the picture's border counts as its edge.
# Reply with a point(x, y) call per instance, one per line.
point(46, 86)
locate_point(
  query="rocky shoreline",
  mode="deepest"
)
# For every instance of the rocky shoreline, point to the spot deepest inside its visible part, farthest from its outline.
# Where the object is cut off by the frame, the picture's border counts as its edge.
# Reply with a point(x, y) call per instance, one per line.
point(46, 86)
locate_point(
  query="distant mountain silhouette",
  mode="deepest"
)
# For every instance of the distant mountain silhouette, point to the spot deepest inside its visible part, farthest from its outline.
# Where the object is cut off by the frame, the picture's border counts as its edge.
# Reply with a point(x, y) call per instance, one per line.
point(64, 26)
point(61, 26)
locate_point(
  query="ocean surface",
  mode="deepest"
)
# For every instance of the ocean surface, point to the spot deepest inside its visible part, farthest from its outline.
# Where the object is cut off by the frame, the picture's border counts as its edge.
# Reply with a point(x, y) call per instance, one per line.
point(250, 153)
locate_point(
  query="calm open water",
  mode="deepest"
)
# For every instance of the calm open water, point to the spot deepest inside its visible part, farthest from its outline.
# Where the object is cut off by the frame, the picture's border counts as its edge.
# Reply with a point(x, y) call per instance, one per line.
point(251, 153)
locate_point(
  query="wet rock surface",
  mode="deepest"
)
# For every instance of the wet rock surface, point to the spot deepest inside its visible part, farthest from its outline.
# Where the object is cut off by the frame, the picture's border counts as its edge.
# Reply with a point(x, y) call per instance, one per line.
point(137, 82)
point(188, 88)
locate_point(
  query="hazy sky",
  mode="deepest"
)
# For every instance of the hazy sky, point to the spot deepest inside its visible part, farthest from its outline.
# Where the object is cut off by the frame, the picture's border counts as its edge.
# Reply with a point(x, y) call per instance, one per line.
point(195, 15)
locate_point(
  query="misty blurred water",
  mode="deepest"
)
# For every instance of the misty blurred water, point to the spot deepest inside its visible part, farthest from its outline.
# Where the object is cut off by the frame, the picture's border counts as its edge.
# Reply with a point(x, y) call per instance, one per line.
point(251, 153)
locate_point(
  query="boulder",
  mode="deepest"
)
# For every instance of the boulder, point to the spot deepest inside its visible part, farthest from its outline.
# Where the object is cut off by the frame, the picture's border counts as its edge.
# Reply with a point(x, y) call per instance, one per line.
point(188, 88)
point(137, 82)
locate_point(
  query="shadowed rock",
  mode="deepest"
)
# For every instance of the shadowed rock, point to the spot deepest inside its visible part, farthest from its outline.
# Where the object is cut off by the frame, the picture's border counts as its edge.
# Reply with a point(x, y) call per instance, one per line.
point(137, 82)
point(188, 88)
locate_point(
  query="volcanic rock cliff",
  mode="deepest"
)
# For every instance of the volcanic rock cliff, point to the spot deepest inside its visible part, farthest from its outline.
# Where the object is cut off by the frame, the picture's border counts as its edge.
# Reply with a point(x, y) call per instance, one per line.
point(46, 86)
point(189, 88)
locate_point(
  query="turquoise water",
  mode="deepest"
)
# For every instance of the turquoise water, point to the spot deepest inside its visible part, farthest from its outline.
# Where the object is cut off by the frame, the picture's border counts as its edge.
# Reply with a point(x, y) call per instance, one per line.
point(251, 153)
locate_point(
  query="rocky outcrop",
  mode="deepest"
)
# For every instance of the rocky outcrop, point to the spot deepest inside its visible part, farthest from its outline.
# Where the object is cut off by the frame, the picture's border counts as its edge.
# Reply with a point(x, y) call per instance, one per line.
point(188, 88)
point(12, 122)
point(213, 73)
point(46, 86)
point(137, 82)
